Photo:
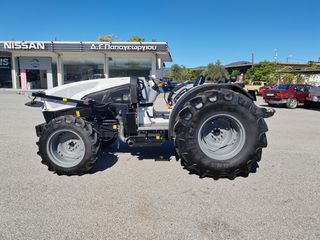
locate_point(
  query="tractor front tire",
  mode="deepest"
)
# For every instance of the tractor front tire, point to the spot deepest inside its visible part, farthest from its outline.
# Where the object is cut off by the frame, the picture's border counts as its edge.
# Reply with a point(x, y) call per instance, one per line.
point(68, 145)
point(220, 134)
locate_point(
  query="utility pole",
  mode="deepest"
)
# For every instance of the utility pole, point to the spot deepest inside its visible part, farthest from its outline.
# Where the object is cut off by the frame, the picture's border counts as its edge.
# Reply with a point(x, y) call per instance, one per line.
point(252, 59)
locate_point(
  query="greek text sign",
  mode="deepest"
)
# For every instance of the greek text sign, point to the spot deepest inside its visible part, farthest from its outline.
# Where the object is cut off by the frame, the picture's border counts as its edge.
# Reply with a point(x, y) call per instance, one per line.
point(108, 46)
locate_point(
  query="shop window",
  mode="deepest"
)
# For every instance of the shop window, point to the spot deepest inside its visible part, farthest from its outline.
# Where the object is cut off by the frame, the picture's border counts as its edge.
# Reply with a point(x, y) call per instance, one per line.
point(76, 69)
point(54, 75)
point(126, 67)
point(5, 72)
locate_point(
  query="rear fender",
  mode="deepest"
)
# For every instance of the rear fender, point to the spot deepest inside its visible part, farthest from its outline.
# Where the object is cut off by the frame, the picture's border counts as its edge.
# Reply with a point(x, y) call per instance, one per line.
point(194, 91)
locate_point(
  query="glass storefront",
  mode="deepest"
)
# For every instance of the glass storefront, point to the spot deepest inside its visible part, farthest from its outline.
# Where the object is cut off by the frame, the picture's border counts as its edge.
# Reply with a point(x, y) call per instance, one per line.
point(36, 79)
point(125, 67)
point(73, 69)
point(54, 74)
point(5, 72)
point(78, 69)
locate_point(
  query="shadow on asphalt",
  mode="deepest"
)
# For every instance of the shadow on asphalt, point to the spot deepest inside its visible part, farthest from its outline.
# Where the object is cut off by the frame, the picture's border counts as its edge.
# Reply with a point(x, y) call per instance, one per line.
point(105, 161)
point(108, 157)
point(312, 107)
point(275, 106)
point(36, 104)
point(165, 152)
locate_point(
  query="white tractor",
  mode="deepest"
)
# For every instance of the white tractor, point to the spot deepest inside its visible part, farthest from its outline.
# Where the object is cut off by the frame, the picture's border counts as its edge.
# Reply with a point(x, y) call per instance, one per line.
point(217, 129)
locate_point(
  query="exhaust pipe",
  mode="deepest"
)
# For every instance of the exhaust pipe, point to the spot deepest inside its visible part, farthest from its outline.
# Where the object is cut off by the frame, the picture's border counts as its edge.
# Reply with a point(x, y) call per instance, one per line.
point(121, 129)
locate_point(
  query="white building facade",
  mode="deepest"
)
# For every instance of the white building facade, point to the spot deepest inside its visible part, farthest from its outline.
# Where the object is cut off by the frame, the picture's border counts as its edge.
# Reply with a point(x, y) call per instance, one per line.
point(31, 65)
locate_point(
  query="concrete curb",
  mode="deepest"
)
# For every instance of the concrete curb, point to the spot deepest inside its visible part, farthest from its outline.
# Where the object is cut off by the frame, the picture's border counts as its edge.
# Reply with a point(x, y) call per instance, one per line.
point(14, 91)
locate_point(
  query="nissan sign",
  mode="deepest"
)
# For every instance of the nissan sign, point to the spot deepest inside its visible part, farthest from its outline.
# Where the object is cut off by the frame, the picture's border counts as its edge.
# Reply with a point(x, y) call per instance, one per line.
point(24, 45)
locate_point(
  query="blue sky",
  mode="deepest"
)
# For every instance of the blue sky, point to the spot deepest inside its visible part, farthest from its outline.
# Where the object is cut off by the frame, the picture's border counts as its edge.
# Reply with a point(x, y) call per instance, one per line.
point(198, 32)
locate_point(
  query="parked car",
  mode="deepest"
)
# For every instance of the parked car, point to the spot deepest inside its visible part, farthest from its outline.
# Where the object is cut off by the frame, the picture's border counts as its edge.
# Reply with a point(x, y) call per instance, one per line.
point(266, 87)
point(290, 95)
point(98, 76)
point(314, 95)
point(255, 86)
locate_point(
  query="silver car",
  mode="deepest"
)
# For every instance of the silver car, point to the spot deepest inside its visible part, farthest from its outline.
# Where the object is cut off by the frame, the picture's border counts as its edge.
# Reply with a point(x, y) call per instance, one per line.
point(314, 95)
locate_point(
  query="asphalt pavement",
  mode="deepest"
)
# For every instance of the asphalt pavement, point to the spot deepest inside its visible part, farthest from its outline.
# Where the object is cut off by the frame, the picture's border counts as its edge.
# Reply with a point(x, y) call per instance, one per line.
point(129, 195)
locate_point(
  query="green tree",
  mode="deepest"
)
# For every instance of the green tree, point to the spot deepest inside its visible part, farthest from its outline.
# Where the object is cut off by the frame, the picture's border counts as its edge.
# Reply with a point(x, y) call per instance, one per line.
point(263, 71)
point(312, 64)
point(300, 78)
point(215, 71)
point(179, 73)
point(174, 72)
point(106, 38)
point(289, 78)
point(196, 73)
point(235, 73)
point(186, 74)
point(136, 39)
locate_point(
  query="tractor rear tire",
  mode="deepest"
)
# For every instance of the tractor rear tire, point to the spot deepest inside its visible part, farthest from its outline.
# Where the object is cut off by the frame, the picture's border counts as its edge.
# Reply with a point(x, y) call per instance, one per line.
point(68, 145)
point(220, 134)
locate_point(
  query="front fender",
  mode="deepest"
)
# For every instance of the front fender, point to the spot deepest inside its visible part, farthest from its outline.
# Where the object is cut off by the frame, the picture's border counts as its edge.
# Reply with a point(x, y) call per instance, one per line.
point(194, 91)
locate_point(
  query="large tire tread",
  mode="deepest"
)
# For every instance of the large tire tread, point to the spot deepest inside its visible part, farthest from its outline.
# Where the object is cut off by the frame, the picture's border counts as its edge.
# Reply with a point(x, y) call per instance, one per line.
point(185, 125)
point(91, 134)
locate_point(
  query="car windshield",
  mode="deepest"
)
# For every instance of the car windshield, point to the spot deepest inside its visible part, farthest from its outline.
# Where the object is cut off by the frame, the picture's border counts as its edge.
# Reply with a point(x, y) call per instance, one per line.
point(282, 87)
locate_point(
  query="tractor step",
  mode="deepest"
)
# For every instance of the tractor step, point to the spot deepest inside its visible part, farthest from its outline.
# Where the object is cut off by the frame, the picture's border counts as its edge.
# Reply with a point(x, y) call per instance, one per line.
point(153, 126)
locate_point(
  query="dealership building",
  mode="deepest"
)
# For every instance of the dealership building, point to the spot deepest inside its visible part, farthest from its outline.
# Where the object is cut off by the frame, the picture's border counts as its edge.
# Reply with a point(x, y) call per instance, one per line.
point(31, 65)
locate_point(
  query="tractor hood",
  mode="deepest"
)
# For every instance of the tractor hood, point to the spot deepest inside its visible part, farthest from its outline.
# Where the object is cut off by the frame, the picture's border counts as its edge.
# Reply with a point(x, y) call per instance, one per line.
point(78, 90)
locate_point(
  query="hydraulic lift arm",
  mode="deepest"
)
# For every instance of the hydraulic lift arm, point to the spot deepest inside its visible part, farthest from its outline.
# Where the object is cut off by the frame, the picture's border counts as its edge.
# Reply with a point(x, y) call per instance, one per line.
point(62, 100)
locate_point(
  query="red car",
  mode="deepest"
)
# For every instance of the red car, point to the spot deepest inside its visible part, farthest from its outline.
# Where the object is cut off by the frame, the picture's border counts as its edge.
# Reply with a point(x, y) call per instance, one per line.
point(267, 87)
point(291, 95)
